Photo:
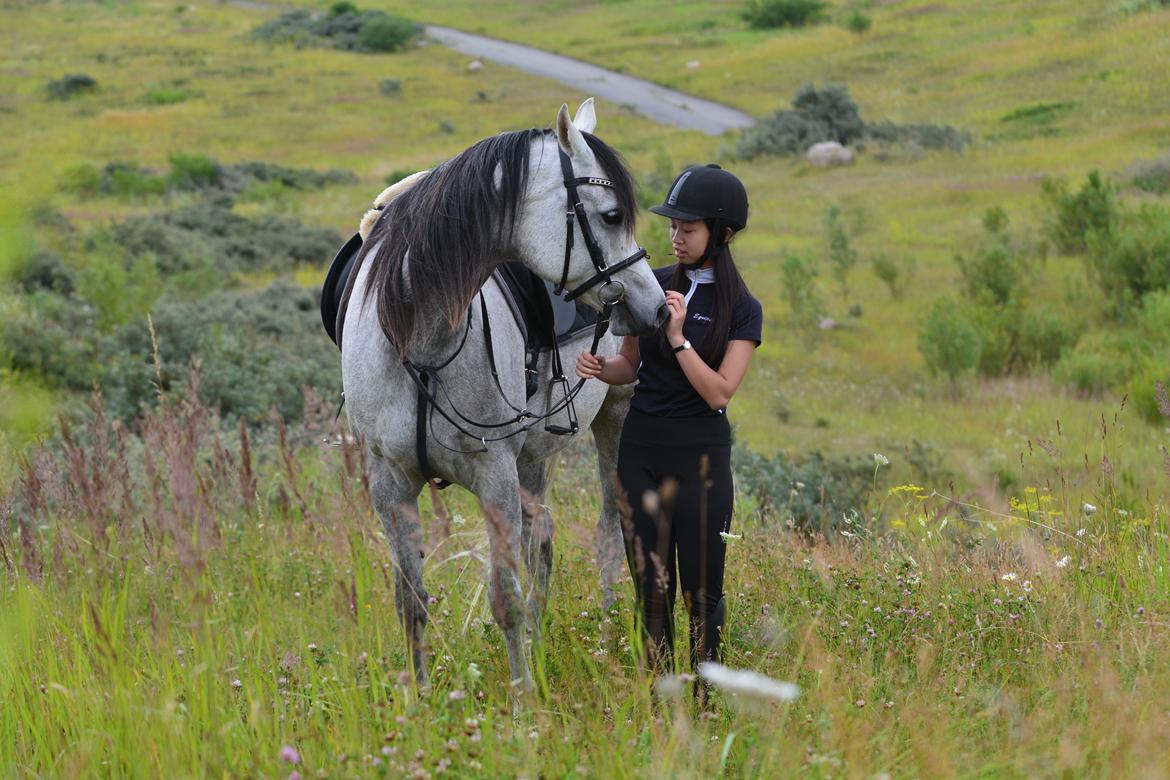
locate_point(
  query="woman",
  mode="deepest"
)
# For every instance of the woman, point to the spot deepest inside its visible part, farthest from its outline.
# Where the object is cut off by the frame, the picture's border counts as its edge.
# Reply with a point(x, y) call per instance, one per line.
point(674, 461)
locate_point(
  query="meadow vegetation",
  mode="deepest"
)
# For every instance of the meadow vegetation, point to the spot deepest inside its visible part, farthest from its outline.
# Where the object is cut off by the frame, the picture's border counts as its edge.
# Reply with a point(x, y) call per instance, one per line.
point(951, 449)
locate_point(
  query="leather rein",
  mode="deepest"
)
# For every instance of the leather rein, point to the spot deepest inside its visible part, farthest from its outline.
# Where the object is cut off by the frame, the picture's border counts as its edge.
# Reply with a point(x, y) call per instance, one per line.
point(426, 378)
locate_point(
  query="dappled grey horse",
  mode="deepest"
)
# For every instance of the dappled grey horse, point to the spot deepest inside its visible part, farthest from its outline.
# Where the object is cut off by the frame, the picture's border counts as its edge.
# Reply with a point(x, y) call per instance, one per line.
point(436, 391)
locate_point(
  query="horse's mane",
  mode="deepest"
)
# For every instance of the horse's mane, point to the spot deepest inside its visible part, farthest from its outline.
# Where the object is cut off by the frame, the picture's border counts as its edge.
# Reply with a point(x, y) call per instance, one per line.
point(454, 220)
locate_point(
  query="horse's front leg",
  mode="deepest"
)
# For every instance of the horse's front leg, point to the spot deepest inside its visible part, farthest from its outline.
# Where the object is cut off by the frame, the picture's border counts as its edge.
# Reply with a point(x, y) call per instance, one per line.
point(395, 497)
point(499, 495)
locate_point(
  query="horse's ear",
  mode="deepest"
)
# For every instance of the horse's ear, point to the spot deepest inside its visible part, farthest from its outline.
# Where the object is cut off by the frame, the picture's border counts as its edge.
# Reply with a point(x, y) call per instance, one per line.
point(586, 118)
point(568, 136)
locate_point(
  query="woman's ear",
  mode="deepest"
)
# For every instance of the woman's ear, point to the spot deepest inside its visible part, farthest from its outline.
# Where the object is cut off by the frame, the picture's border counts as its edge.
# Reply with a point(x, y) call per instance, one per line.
point(728, 234)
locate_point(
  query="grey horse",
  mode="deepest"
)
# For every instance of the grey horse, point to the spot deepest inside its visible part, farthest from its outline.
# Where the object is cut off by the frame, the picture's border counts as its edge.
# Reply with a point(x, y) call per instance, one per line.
point(416, 301)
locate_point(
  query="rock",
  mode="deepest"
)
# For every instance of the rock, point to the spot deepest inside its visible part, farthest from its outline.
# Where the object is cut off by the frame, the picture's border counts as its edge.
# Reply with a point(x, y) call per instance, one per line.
point(828, 154)
point(827, 323)
point(693, 64)
point(475, 65)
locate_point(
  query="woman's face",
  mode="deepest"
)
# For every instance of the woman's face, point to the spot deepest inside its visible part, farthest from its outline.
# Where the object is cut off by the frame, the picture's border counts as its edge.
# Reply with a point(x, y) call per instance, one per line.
point(689, 240)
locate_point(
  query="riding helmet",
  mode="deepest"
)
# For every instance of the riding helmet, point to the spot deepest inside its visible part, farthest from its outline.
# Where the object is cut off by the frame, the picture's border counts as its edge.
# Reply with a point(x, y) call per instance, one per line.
point(706, 192)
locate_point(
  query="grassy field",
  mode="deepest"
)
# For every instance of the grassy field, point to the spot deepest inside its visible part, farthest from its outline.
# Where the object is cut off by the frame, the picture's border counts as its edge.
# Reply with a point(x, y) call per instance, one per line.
point(152, 629)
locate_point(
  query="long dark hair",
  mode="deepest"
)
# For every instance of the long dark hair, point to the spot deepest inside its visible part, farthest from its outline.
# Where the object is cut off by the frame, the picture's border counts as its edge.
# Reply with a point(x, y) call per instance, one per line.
point(454, 220)
point(729, 287)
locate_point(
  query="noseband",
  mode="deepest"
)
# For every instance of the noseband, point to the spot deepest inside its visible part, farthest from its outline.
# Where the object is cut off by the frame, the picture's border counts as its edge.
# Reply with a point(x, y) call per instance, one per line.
point(576, 213)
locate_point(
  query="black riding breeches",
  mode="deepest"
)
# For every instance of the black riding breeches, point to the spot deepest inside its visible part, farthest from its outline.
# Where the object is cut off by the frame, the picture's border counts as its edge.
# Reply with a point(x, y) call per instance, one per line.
point(676, 475)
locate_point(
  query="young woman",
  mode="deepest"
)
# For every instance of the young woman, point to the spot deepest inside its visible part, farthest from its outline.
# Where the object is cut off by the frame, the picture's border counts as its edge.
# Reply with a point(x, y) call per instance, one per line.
point(674, 461)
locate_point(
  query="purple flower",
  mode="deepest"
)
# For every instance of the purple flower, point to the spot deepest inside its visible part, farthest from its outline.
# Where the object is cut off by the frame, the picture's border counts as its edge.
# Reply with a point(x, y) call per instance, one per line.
point(289, 754)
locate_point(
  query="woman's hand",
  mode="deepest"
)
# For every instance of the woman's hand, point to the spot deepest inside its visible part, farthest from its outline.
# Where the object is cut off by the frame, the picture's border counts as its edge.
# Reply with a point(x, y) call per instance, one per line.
point(678, 315)
point(589, 366)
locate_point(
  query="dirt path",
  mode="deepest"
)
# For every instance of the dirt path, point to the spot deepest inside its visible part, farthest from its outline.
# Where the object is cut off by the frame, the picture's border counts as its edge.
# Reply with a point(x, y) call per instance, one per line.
point(650, 100)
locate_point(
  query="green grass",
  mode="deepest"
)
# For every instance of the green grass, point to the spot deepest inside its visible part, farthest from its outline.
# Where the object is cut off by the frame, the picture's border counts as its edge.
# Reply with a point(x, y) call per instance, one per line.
point(163, 632)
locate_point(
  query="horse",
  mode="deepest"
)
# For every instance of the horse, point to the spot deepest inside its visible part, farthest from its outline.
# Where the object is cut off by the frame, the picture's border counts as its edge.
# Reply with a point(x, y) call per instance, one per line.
point(433, 363)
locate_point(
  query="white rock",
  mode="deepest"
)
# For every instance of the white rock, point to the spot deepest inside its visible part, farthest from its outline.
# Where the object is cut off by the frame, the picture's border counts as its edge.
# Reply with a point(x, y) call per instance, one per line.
point(693, 64)
point(475, 65)
point(827, 154)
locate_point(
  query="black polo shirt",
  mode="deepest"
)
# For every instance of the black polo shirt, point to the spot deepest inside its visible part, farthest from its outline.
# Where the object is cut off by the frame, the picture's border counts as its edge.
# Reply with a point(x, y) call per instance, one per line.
point(663, 389)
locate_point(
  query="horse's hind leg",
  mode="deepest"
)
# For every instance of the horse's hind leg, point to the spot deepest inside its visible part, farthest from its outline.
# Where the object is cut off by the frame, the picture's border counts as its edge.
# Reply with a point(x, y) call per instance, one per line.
point(395, 498)
point(538, 539)
point(611, 551)
point(499, 494)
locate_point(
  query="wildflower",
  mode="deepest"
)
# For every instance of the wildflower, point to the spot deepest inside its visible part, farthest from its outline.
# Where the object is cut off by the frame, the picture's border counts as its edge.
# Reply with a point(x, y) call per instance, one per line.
point(289, 754)
point(1027, 585)
point(1011, 576)
point(1081, 532)
point(473, 671)
point(747, 682)
point(237, 684)
point(726, 537)
point(456, 696)
point(1089, 509)
point(880, 460)
point(859, 703)
point(1141, 610)
point(294, 775)
point(1064, 562)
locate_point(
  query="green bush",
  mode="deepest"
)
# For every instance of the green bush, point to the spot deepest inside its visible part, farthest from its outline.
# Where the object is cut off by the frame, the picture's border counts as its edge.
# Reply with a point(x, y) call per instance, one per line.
point(386, 33)
point(1090, 372)
point(390, 87)
point(949, 342)
point(1147, 392)
point(45, 335)
point(798, 278)
point(842, 256)
point(770, 14)
point(71, 86)
point(858, 23)
point(895, 273)
point(194, 172)
point(927, 136)
point(84, 180)
point(127, 180)
point(46, 271)
point(1132, 258)
point(1074, 217)
point(832, 106)
point(814, 494)
point(998, 268)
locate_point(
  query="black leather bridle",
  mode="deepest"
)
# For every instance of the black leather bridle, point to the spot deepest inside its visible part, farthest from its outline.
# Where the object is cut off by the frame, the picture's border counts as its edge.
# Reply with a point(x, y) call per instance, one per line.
point(426, 379)
point(576, 213)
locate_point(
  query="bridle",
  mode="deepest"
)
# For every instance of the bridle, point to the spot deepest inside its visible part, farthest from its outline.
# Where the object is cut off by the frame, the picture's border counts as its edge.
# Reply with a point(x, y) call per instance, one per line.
point(576, 213)
point(611, 293)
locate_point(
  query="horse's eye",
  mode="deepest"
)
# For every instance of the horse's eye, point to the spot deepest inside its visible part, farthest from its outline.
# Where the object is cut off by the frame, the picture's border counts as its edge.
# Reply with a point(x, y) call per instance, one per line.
point(612, 217)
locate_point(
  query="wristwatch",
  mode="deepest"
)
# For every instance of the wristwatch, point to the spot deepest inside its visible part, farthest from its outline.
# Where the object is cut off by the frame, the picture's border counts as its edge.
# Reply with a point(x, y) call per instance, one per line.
point(685, 345)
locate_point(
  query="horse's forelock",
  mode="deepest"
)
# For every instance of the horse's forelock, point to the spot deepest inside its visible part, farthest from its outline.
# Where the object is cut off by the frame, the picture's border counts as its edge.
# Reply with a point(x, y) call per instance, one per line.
point(615, 169)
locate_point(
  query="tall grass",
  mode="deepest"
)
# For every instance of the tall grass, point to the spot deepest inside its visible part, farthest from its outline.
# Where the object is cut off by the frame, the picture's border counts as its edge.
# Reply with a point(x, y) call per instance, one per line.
point(191, 601)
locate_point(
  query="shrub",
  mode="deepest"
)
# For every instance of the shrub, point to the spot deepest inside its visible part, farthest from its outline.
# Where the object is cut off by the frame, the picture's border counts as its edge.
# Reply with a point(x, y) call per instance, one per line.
point(769, 14)
point(84, 180)
point(858, 23)
point(70, 86)
point(43, 335)
point(128, 180)
point(998, 268)
point(842, 255)
point(784, 132)
point(1152, 176)
point(834, 108)
point(194, 171)
point(926, 136)
point(1073, 217)
point(895, 273)
point(814, 494)
point(390, 87)
point(165, 96)
point(1091, 372)
point(46, 271)
point(950, 344)
point(1133, 257)
point(798, 277)
point(1148, 392)
point(386, 33)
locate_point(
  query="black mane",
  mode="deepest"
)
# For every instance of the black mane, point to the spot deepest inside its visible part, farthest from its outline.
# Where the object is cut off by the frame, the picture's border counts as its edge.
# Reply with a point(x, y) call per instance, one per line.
point(452, 222)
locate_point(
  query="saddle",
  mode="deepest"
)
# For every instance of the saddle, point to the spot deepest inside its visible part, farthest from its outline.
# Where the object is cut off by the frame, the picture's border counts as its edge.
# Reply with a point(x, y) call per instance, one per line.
point(545, 319)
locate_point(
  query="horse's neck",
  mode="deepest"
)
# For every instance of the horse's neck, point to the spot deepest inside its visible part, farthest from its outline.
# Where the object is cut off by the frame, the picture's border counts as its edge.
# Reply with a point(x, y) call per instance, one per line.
point(439, 339)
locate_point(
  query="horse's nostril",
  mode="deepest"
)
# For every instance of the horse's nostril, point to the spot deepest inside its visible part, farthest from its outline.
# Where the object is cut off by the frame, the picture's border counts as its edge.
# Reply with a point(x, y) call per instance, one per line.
point(662, 316)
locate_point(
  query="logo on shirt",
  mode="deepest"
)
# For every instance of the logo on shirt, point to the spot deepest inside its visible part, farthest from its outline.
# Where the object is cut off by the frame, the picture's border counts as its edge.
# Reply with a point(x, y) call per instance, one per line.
point(700, 317)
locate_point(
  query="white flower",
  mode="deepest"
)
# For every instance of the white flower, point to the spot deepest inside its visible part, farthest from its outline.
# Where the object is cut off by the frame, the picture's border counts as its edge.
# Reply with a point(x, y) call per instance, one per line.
point(726, 537)
point(1081, 532)
point(473, 671)
point(1011, 576)
point(880, 460)
point(747, 682)
point(1064, 562)
point(1089, 509)
point(1027, 584)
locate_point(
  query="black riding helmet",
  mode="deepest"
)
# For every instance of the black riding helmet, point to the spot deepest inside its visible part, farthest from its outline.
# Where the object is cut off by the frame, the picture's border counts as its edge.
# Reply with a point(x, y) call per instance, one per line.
point(706, 192)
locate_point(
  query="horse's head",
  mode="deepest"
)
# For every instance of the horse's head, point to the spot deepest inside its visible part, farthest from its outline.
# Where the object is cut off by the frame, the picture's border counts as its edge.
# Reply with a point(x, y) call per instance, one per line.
point(582, 179)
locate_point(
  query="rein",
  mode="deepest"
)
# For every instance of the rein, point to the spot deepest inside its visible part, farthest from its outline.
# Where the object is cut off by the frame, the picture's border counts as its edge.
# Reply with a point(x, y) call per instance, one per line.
point(426, 378)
